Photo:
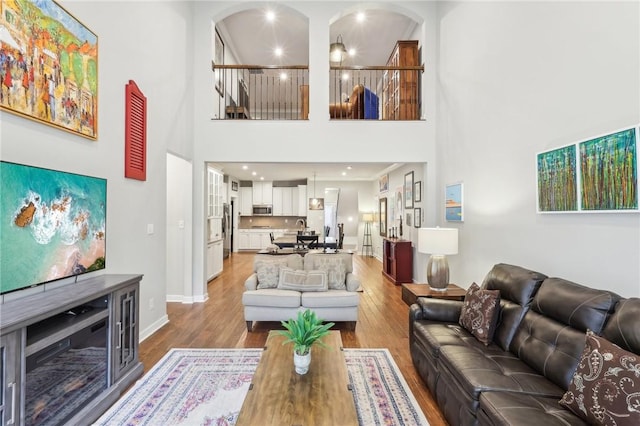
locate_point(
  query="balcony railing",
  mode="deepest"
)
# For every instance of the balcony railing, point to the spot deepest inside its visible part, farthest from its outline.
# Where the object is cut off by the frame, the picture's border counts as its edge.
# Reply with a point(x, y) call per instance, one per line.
point(282, 92)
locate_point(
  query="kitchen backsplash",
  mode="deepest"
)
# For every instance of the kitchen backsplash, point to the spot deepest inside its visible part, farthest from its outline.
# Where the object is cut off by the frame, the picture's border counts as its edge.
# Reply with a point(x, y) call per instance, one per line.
point(275, 222)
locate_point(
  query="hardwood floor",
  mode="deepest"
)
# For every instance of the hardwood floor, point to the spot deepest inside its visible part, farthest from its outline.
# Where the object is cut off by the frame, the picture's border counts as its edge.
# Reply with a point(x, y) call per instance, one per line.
point(219, 323)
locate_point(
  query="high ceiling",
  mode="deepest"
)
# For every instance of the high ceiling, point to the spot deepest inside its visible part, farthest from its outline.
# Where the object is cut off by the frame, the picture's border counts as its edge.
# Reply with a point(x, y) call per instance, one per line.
point(253, 39)
point(295, 171)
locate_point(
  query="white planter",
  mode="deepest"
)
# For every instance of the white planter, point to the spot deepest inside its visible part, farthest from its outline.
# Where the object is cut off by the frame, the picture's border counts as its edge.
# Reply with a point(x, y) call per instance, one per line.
point(301, 362)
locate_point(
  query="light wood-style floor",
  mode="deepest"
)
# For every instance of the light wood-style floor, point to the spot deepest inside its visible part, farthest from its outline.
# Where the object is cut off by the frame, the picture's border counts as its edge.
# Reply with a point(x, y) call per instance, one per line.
point(219, 323)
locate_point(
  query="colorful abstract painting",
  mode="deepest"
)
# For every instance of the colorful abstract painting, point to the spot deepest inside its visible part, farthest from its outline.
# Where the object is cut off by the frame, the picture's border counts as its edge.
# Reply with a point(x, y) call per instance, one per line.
point(48, 66)
point(557, 180)
point(609, 172)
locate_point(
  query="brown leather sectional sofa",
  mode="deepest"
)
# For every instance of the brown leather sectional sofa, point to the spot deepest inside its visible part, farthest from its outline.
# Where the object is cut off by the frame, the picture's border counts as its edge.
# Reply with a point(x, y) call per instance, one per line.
point(520, 377)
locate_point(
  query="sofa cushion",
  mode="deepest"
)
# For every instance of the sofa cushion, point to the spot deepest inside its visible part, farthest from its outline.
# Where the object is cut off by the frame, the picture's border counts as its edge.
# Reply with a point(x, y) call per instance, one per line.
point(268, 272)
point(272, 298)
point(330, 299)
point(335, 265)
point(479, 312)
point(298, 280)
point(622, 328)
point(510, 408)
point(606, 386)
point(517, 287)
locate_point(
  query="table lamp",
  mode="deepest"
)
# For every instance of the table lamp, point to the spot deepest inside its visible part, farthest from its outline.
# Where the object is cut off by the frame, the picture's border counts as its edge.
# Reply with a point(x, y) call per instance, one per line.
point(439, 242)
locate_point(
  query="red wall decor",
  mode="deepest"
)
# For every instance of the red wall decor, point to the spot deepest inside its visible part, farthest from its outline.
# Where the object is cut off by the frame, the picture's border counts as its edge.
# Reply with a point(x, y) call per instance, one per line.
point(135, 133)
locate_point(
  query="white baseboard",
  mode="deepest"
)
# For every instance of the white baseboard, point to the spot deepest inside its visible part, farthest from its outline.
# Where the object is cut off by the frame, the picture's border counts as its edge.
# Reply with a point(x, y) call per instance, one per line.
point(157, 325)
point(187, 299)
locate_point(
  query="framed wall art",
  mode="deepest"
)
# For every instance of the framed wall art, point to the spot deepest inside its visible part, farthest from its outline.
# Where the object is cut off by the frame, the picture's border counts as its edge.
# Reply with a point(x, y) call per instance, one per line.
point(557, 180)
point(218, 59)
point(382, 216)
point(609, 172)
point(417, 191)
point(417, 217)
point(234, 185)
point(454, 203)
point(408, 190)
point(49, 67)
point(384, 183)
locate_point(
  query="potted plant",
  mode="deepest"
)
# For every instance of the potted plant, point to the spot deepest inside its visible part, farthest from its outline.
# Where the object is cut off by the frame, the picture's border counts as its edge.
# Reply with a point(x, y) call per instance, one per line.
point(303, 332)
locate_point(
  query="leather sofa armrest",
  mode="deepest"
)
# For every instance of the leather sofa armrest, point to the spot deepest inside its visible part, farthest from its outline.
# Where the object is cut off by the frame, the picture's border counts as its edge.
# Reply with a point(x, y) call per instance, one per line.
point(440, 309)
point(353, 283)
point(251, 283)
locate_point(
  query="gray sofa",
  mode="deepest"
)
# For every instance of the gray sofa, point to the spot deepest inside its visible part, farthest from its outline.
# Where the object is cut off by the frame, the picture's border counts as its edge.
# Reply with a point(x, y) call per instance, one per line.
point(539, 338)
point(264, 301)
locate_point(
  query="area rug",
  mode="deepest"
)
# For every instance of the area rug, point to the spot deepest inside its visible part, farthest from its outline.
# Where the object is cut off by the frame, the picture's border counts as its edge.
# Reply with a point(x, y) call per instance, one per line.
point(208, 386)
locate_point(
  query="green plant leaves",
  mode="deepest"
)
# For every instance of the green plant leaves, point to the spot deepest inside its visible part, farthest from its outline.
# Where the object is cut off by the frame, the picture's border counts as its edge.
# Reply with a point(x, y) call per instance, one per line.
point(304, 331)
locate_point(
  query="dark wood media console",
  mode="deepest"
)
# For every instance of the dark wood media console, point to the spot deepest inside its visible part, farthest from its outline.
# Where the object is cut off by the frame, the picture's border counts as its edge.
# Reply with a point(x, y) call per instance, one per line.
point(68, 353)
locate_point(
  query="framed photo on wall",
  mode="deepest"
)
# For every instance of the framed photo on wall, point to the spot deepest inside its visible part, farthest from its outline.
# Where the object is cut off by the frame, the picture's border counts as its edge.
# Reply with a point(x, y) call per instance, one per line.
point(417, 191)
point(218, 59)
point(382, 215)
point(417, 217)
point(454, 203)
point(408, 190)
point(384, 182)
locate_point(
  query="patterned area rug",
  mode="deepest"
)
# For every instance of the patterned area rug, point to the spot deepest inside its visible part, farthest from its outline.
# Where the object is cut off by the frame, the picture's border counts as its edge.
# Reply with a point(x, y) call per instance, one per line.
point(207, 387)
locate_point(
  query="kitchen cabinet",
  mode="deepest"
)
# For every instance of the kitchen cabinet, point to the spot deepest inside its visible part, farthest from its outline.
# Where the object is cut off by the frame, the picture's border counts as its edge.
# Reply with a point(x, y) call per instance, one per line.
point(262, 192)
point(283, 201)
point(397, 260)
point(243, 240)
point(214, 259)
point(215, 193)
point(246, 201)
point(303, 203)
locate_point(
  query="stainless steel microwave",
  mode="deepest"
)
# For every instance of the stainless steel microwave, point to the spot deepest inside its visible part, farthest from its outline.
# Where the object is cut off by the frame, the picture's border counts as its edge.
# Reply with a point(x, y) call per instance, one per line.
point(263, 210)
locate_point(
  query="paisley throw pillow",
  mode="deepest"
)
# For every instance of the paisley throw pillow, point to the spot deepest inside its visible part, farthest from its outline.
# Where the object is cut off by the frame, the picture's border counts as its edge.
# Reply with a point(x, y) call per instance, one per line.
point(480, 312)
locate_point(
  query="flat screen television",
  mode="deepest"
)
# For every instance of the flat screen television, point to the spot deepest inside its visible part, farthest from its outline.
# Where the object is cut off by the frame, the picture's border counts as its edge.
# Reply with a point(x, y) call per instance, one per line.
point(52, 225)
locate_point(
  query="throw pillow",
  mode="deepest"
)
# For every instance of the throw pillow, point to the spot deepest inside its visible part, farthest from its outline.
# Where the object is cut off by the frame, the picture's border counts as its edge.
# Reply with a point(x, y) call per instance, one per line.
point(480, 312)
point(291, 279)
point(268, 273)
point(336, 271)
point(605, 389)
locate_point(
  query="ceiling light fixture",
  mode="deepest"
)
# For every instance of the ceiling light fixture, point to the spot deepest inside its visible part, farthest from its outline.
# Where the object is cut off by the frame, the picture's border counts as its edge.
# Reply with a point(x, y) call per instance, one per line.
point(278, 51)
point(337, 51)
point(360, 16)
point(271, 16)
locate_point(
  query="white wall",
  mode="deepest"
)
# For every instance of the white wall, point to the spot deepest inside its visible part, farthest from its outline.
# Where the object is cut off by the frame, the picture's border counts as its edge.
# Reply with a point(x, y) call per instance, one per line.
point(301, 141)
point(516, 79)
point(134, 43)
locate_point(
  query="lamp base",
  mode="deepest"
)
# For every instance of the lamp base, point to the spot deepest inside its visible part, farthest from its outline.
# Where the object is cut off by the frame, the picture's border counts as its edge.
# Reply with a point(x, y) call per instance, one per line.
point(438, 272)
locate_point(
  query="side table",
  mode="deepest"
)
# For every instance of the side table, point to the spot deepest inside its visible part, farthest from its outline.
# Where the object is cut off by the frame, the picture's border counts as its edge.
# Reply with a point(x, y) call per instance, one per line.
point(410, 292)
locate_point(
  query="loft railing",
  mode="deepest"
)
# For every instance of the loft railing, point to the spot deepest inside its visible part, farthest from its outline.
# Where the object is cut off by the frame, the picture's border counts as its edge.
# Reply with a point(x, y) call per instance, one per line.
point(282, 92)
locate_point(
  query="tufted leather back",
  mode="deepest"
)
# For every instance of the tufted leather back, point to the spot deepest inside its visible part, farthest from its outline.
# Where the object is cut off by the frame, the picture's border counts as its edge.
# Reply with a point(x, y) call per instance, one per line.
point(517, 286)
point(623, 328)
point(551, 337)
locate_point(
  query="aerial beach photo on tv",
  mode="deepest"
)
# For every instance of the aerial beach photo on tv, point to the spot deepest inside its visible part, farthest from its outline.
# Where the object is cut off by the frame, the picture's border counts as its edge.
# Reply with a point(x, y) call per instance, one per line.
point(52, 225)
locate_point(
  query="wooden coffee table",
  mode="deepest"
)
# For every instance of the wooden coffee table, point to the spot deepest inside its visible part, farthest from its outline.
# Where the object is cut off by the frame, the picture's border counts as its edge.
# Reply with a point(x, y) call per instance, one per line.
point(410, 292)
point(280, 396)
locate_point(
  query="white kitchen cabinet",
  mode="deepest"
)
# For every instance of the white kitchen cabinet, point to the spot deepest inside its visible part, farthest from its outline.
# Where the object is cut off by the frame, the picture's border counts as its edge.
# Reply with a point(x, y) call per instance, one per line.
point(283, 201)
point(255, 240)
point(214, 259)
point(277, 201)
point(262, 192)
point(243, 240)
point(215, 193)
point(246, 201)
point(287, 198)
point(303, 203)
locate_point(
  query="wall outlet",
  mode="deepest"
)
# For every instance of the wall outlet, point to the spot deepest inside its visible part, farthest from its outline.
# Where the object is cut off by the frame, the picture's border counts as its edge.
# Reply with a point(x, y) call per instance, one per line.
point(150, 228)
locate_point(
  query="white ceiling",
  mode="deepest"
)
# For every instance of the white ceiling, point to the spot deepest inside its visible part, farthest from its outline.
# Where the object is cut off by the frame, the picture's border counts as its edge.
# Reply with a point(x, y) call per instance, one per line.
point(252, 40)
point(295, 171)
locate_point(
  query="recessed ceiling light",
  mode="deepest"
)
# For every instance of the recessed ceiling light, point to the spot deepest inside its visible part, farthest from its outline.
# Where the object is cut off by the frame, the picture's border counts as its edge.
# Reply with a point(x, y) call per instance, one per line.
point(278, 51)
point(360, 17)
point(261, 177)
point(245, 167)
point(352, 52)
point(349, 167)
point(253, 173)
point(271, 15)
point(344, 173)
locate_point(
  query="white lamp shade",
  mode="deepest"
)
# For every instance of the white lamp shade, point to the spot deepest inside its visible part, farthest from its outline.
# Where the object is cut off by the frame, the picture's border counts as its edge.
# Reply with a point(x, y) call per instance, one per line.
point(367, 217)
point(438, 240)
